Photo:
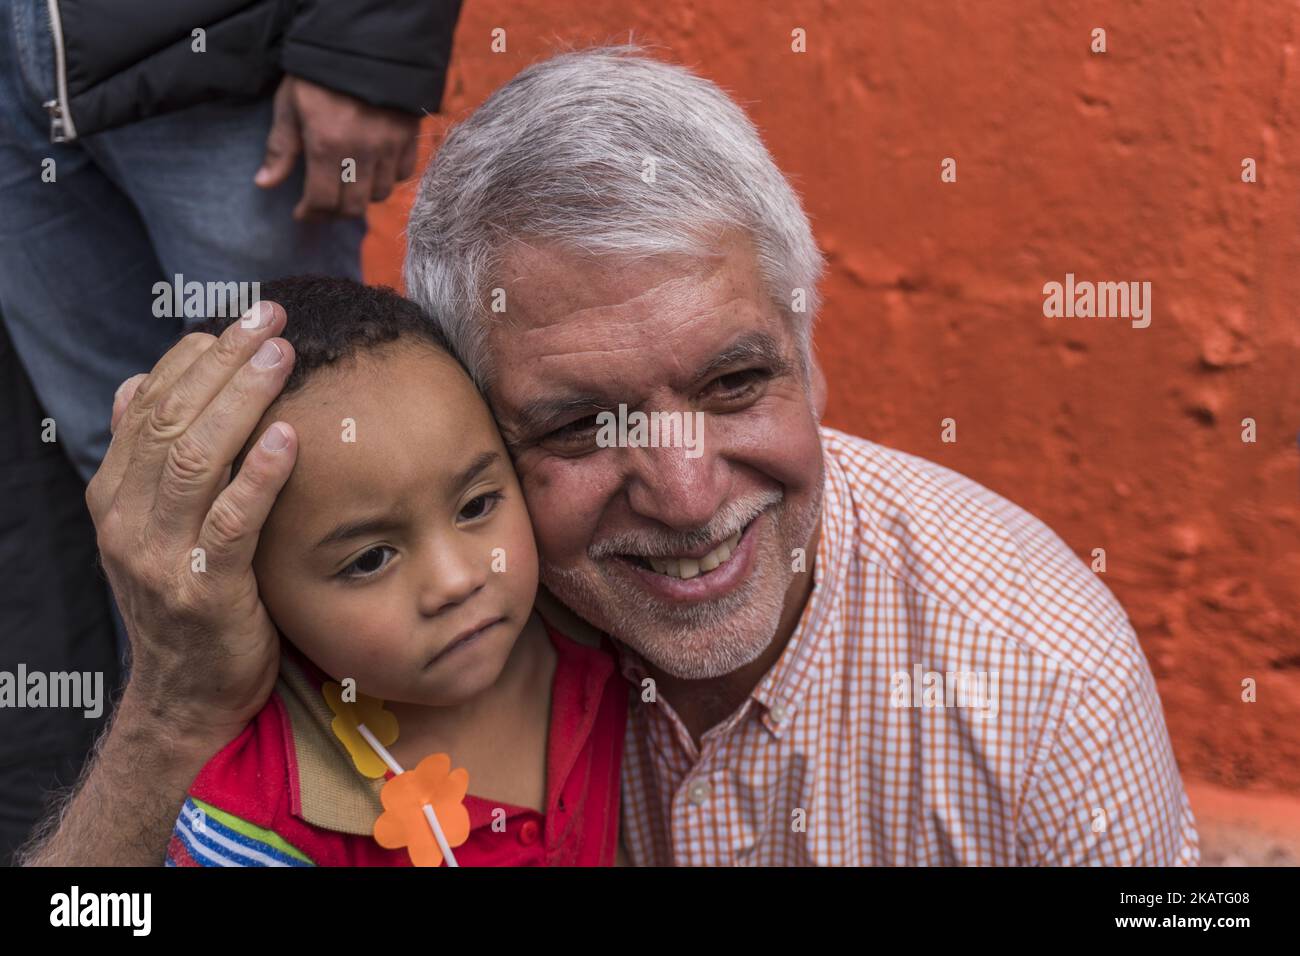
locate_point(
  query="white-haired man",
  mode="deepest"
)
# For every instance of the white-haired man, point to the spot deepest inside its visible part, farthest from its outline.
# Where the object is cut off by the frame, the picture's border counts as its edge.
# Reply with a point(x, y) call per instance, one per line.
point(843, 654)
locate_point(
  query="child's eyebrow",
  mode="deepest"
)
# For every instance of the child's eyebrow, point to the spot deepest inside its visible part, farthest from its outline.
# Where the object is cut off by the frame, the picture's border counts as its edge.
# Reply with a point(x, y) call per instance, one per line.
point(476, 467)
point(375, 523)
point(358, 528)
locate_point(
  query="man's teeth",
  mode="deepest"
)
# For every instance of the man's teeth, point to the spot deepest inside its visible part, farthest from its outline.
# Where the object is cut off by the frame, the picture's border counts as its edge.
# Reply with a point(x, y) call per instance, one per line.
point(687, 568)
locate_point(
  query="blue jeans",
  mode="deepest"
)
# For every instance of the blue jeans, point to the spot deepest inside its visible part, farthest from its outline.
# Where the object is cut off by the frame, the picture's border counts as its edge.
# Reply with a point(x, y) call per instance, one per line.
point(129, 207)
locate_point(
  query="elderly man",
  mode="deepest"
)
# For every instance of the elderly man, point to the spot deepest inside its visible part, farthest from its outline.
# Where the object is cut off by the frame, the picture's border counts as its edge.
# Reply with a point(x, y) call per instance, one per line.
point(843, 654)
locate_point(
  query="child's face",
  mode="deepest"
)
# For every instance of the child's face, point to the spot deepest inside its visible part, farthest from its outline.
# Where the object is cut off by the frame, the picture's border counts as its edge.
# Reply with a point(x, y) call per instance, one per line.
point(383, 548)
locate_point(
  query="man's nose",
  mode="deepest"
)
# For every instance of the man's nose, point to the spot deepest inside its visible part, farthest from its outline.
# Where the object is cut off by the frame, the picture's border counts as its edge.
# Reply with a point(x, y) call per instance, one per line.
point(455, 572)
point(675, 489)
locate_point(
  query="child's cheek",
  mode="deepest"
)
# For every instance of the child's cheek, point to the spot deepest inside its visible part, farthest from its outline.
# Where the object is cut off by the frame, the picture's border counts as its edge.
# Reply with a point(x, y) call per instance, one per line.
point(524, 548)
point(358, 635)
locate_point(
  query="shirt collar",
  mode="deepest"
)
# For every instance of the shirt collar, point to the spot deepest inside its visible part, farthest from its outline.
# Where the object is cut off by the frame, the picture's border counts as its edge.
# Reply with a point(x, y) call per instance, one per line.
point(327, 791)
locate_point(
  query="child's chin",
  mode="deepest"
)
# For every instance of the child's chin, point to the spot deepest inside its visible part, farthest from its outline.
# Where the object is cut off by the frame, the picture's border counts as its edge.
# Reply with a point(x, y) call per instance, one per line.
point(460, 686)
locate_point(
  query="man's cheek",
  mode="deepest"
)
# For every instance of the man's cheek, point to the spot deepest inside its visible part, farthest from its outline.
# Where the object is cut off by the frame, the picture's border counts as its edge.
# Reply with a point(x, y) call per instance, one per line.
point(565, 499)
point(798, 466)
point(798, 448)
point(560, 538)
point(785, 449)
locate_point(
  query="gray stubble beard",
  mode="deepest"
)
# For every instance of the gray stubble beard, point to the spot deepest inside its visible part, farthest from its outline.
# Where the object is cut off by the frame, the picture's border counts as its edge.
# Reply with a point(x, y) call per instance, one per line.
point(702, 641)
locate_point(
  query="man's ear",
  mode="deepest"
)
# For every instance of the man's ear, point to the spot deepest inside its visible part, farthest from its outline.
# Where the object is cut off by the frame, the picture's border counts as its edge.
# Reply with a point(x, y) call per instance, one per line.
point(818, 388)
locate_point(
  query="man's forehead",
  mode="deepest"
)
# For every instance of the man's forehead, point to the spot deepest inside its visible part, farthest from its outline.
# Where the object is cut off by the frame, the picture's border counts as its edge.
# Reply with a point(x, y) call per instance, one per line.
point(554, 284)
point(553, 292)
point(576, 325)
point(547, 282)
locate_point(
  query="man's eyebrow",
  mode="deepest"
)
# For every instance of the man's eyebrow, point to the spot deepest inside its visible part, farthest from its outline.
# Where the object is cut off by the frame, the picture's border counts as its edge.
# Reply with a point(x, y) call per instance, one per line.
point(537, 416)
point(751, 347)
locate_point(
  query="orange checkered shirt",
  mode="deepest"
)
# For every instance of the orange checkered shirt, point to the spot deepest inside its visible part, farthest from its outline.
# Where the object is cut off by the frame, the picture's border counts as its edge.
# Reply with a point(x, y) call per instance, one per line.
point(960, 690)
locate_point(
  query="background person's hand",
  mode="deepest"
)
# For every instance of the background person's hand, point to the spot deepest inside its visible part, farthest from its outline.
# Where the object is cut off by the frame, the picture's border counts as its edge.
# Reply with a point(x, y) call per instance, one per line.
point(329, 127)
point(177, 536)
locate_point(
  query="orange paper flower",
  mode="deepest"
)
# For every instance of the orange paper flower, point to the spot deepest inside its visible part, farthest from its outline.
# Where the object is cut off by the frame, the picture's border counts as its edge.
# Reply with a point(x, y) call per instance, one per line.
point(403, 822)
point(366, 710)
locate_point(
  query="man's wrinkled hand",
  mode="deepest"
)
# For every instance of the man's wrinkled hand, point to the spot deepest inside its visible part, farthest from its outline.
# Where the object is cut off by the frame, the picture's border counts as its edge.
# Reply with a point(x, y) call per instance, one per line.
point(330, 128)
point(177, 536)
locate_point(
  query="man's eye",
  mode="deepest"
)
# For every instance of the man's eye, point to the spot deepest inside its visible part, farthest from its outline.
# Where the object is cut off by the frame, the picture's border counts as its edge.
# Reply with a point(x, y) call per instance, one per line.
point(574, 431)
point(370, 562)
point(739, 382)
point(480, 506)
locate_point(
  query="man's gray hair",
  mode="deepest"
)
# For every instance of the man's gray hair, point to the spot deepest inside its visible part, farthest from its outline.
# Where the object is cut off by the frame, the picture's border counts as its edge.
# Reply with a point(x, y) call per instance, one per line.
point(562, 154)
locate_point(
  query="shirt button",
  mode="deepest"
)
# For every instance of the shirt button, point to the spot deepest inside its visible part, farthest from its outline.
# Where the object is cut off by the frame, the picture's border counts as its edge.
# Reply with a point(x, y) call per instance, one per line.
point(528, 833)
point(778, 714)
point(699, 792)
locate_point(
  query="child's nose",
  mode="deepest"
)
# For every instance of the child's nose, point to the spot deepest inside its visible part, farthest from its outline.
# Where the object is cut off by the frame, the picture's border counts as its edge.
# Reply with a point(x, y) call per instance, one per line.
point(454, 576)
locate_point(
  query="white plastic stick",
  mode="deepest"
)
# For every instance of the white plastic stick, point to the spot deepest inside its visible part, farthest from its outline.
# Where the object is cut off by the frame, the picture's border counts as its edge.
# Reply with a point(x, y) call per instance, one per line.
point(429, 815)
point(439, 835)
point(380, 749)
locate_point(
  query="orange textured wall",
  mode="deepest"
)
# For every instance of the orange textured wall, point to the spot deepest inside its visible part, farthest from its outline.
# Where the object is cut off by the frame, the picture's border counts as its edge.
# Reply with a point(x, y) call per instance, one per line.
point(1119, 166)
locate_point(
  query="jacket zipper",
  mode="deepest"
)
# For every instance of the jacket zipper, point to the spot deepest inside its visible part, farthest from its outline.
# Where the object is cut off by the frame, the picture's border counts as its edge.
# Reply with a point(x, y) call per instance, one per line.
point(61, 128)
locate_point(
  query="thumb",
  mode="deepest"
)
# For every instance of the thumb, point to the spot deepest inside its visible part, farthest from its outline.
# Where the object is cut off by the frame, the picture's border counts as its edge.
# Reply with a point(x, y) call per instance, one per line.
point(283, 143)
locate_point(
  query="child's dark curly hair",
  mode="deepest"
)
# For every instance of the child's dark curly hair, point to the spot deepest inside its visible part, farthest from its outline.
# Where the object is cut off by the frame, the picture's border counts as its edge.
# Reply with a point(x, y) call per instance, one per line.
point(331, 319)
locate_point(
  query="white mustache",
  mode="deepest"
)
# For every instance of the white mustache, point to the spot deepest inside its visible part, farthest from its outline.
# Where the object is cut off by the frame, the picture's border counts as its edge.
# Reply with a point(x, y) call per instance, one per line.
point(733, 516)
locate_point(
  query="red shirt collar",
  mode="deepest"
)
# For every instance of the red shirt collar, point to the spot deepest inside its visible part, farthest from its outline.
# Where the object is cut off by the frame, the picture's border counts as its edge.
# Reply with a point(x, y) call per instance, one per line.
point(328, 791)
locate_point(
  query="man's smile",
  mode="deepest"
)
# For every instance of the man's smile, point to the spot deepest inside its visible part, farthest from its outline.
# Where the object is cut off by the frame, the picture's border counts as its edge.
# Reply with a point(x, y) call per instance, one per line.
point(688, 566)
point(698, 577)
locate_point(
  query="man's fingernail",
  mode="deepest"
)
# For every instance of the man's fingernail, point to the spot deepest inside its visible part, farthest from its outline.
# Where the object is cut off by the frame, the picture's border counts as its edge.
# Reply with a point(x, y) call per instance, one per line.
point(275, 439)
point(256, 317)
point(118, 393)
point(268, 356)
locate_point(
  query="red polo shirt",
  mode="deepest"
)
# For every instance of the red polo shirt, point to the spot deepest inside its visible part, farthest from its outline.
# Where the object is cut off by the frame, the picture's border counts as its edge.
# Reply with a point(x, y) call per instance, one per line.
point(285, 792)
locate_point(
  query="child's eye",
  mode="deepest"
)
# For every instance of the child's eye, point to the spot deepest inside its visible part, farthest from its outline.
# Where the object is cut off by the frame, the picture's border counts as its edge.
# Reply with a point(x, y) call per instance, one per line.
point(480, 506)
point(370, 562)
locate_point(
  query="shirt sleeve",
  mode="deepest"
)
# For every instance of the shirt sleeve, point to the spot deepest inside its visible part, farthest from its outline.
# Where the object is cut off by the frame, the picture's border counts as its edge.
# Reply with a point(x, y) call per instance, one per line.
point(391, 53)
point(1108, 792)
point(206, 835)
point(237, 809)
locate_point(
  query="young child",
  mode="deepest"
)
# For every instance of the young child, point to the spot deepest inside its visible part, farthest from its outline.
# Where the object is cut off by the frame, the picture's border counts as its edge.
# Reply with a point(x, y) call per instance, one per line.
point(399, 562)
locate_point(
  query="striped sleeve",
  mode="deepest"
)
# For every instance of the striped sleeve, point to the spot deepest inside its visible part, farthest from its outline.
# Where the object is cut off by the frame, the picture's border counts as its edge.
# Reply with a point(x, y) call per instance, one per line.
point(206, 835)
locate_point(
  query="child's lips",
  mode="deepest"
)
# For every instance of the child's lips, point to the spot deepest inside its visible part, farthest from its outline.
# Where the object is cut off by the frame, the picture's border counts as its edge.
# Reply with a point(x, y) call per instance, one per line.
point(467, 637)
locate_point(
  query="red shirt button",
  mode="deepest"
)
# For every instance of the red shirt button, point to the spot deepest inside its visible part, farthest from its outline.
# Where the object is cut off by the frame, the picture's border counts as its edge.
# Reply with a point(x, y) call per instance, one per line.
point(528, 832)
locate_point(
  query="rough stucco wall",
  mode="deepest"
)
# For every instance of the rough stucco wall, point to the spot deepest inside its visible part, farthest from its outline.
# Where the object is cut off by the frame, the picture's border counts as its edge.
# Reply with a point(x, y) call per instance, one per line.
point(1117, 167)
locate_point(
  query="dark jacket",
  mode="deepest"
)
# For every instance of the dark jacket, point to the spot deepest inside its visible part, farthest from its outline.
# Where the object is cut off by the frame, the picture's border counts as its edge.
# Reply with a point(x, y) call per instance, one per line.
point(118, 61)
